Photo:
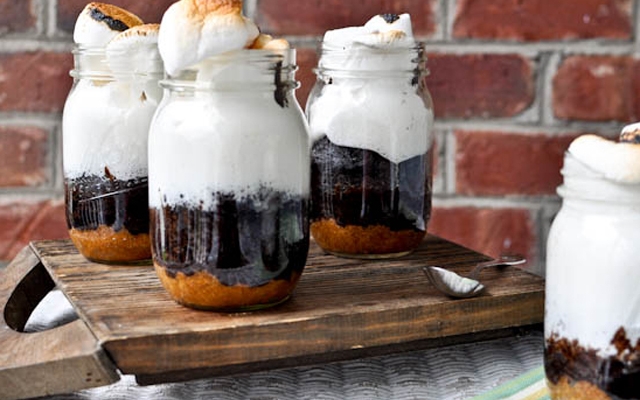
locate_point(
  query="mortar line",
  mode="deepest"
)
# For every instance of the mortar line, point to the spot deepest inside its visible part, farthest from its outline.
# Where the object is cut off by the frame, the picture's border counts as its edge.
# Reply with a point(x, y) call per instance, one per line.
point(496, 202)
point(52, 21)
point(512, 126)
point(449, 162)
point(450, 7)
point(635, 28)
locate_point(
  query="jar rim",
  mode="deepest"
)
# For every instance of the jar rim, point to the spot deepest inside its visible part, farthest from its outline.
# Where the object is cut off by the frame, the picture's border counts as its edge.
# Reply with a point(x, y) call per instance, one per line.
point(416, 46)
point(584, 183)
point(618, 198)
point(364, 73)
point(256, 56)
point(93, 63)
point(277, 63)
point(340, 60)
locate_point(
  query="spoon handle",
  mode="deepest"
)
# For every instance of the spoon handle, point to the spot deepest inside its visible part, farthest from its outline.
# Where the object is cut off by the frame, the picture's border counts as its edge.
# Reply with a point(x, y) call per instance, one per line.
point(504, 260)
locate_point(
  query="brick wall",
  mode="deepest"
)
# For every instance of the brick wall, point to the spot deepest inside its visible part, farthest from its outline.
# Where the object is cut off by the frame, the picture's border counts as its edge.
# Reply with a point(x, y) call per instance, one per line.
point(513, 82)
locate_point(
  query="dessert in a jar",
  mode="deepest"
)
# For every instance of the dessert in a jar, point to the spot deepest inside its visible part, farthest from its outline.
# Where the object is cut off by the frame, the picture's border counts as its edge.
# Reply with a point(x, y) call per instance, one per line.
point(592, 324)
point(228, 163)
point(105, 127)
point(370, 117)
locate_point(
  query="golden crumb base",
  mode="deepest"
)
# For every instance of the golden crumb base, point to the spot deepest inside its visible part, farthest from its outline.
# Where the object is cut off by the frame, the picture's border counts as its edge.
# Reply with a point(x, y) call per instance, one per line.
point(106, 245)
point(581, 390)
point(204, 291)
point(357, 240)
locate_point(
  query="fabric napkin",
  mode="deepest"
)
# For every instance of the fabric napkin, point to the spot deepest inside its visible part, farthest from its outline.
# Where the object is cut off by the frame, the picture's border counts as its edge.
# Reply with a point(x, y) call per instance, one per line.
point(529, 386)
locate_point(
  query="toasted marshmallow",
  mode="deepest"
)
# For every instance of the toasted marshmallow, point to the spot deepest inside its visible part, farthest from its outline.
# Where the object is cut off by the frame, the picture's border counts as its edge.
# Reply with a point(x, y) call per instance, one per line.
point(631, 133)
point(385, 30)
point(267, 42)
point(376, 46)
point(135, 49)
point(261, 41)
point(277, 44)
point(390, 22)
point(386, 39)
point(616, 161)
point(98, 23)
point(192, 30)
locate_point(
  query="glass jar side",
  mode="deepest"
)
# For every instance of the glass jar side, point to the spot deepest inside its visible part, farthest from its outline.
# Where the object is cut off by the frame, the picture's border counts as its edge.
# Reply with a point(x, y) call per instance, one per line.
point(592, 329)
point(229, 188)
point(372, 149)
point(105, 126)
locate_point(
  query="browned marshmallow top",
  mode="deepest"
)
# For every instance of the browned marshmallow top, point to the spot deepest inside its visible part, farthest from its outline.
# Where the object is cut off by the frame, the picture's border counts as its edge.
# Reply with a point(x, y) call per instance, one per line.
point(116, 18)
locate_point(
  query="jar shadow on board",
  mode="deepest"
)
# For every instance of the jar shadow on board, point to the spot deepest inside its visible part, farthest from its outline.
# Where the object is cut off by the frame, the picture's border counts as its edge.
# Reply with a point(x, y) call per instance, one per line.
point(229, 182)
point(372, 146)
point(105, 127)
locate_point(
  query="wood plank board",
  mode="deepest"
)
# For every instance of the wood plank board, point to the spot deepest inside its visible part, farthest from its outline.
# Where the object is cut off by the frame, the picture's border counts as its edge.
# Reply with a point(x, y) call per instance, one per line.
point(340, 305)
point(48, 362)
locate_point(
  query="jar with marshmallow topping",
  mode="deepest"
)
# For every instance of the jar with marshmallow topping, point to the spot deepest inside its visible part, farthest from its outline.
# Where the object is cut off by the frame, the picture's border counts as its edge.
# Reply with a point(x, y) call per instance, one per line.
point(371, 120)
point(105, 127)
point(229, 182)
point(592, 324)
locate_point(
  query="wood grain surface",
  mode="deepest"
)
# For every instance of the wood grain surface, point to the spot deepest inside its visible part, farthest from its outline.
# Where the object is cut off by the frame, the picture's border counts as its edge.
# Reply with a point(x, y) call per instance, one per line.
point(340, 306)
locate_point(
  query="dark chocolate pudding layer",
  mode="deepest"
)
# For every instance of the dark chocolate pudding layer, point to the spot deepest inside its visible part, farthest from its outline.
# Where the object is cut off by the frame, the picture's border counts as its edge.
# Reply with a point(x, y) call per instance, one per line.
point(618, 375)
point(360, 187)
point(249, 241)
point(93, 201)
point(364, 205)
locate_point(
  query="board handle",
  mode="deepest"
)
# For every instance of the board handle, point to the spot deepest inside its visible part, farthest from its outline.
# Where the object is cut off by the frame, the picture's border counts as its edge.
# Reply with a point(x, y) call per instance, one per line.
point(61, 360)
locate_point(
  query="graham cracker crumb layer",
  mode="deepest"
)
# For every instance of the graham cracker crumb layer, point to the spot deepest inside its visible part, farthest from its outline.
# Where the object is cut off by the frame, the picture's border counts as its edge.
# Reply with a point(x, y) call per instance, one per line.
point(204, 291)
point(374, 239)
point(581, 390)
point(106, 245)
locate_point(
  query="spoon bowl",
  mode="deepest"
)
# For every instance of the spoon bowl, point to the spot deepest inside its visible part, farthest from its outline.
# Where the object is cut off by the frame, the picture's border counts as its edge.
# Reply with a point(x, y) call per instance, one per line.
point(458, 286)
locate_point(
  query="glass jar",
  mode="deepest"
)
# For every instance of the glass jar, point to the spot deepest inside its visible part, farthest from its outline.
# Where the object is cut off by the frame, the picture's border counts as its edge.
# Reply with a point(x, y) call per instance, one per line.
point(105, 127)
point(229, 182)
point(371, 121)
point(592, 322)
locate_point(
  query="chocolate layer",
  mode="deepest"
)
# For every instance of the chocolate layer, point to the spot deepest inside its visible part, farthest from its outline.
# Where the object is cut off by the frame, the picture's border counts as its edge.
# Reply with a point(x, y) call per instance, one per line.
point(93, 201)
point(617, 375)
point(360, 187)
point(248, 241)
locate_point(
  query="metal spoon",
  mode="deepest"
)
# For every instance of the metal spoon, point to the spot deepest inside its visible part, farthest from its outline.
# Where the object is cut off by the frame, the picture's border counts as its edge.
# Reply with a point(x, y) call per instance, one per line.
point(455, 285)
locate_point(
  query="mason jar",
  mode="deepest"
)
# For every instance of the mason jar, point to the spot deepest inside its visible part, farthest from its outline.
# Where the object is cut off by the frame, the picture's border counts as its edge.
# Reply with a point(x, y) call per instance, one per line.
point(229, 182)
point(592, 318)
point(371, 122)
point(105, 126)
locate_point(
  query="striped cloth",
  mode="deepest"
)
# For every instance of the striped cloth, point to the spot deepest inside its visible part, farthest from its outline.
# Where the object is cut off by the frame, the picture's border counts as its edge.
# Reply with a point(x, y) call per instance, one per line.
point(529, 386)
point(455, 372)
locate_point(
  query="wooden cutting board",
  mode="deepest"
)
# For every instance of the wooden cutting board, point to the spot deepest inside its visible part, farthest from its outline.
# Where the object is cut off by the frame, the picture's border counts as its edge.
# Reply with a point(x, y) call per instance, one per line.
point(342, 308)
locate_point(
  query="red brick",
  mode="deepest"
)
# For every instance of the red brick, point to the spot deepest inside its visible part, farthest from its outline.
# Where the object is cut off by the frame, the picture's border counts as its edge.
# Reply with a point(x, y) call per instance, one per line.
point(16, 16)
point(150, 11)
point(480, 85)
point(48, 221)
point(504, 163)
point(487, 230)
point(307, 60)
point(14, 218)
point(34, 81)
point(635, 90)
point(23, 156)
point(535, 20)
point(596, 88)
point(314, 17)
